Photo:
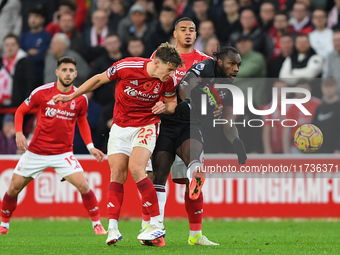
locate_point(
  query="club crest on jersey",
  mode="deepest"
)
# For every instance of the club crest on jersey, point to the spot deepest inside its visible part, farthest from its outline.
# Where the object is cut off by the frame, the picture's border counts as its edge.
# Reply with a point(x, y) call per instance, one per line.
point(156, 89)
point(73, 105)
point(200, 66)
point(111, 71)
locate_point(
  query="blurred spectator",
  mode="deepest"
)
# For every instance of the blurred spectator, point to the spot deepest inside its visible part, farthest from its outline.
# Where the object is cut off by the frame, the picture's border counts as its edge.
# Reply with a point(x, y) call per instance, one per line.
point(36, 42)
point(48, 6)
point(117, 13)
point(272, 130)
point(10, 19)
point(229, 21)
point(136, 48)
point(7, 135)
point(282, 5)
point(200, 9)
point(281, 26)
point(16, 73)
point(59, 48)
point(295, 113)
point(206, 30)
point(321, 38)
point(211, 46)
point(303, 63)
point(332, 64)
point(327, 117)
point(300, 20)
point(333, 16)
point(105, 94)
point(94, 36)
point(253, 68)
point(286, 49)
point(162, 31)
point(68, 27)
point(76, 8)
point(94, 112)
point(267, 13)
point(250, 29)
point(134, 26)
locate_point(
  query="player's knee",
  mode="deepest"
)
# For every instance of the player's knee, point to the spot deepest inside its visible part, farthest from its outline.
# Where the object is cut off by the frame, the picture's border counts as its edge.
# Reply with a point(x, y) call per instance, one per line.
point(159, 178)
point(118, 176)
point(83, 187)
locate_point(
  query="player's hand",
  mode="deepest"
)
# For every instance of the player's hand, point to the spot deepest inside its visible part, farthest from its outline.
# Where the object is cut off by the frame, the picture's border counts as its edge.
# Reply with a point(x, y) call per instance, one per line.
point(183, 108)
point(21, 141)
point(158, 108)
point(218, 111)
point(98, 154)
point(240, 151)
point(62, 98)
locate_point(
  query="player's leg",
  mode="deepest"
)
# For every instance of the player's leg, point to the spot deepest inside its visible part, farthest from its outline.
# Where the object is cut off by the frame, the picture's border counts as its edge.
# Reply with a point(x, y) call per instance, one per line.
point(89, 200)
point(9, 202)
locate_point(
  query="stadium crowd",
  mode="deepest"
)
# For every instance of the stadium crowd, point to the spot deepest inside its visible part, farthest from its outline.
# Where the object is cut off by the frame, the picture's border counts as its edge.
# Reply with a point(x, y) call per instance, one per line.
point(286, 43)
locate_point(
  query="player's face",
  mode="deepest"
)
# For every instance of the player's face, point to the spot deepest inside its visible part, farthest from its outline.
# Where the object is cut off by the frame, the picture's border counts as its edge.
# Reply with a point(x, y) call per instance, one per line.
point(185, 33)
point(230, 65)
point(165, 71)
point(66, 74)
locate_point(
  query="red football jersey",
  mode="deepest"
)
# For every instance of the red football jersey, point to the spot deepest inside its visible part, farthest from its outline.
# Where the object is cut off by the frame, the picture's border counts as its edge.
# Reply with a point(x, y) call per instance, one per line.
point(54, 131)
point(188, 60)
point(137, 92)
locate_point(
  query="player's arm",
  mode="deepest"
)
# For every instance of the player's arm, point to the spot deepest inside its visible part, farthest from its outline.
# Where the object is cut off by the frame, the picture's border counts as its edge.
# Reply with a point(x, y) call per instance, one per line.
point(167, 106)
point(85, 133)
point(20, 139)
point(231, 132)
point(91, 84)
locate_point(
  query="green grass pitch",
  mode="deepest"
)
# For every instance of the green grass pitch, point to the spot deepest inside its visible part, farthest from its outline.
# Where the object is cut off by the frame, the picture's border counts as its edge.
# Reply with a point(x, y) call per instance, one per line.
point(236, 237)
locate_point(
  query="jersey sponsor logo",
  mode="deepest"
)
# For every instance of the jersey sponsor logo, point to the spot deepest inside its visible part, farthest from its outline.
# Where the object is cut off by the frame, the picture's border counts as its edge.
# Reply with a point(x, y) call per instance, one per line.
point(135, 82)
point(51, 102)
point(51, 112)
point(28, 100)
point(139, 94)
point(181, 73)
point(200, 66)
point(325, 116)
point(111, 71)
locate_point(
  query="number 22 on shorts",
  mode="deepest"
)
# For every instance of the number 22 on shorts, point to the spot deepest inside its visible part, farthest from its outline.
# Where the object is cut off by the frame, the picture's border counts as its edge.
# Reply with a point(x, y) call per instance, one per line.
point(144, 135)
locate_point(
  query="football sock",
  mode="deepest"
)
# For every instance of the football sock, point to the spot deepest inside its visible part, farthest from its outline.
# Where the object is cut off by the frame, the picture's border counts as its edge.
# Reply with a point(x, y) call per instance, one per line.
point(149, 196)
point(9, 203)
point(194, 233)
point(5, 225)
point(115, 195)
point(194, 210)
point(91, 205)
point(113, 224)
point(95, 223)
point(161, 196)
point(157, 221)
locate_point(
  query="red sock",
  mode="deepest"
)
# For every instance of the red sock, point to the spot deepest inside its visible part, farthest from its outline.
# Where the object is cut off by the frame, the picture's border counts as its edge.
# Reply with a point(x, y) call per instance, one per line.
point(9, 204)
point(194, 209)
point(115, 195)
point(149, 196)
point(91, 205)
point(145, 214)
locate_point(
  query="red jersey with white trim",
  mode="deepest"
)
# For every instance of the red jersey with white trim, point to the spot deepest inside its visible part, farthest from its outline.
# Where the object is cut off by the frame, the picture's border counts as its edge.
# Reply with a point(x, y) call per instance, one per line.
point(54, 131)
point(137, 92)
point(188, 59)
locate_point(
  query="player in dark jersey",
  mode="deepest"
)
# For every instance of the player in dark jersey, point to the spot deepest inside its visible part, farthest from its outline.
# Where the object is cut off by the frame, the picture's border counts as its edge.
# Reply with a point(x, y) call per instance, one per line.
point(181, 132)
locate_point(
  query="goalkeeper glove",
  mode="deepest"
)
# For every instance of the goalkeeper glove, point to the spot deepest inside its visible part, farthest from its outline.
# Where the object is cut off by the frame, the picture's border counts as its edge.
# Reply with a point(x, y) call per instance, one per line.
point(240, 151)
point(183, 108)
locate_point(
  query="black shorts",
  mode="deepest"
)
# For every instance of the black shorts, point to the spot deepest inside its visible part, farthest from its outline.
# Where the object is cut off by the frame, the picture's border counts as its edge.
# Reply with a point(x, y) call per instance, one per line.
point(172, 135)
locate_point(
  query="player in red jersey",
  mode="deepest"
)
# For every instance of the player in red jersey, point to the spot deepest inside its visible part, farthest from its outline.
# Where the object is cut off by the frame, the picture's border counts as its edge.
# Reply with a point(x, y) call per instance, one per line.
point(185, 35)
point(140, 84)
point(51, 145)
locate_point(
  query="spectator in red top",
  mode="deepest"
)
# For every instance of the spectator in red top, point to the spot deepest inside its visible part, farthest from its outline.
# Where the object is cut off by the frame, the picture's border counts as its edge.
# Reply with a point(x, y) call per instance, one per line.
point(77, 8)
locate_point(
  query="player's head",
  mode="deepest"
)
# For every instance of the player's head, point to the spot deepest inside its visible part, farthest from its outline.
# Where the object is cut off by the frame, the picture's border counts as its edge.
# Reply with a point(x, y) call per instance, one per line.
point(66, 70)
point(228, 62)
point(185, 32)
point(167, 60)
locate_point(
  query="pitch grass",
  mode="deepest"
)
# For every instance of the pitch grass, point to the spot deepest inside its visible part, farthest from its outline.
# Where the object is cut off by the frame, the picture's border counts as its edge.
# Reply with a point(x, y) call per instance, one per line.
point(235, 237)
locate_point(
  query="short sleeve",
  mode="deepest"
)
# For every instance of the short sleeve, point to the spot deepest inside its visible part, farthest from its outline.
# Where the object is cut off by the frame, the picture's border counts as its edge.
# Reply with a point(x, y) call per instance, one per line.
point(114, 72)
point(84, 105)
point(34, 98)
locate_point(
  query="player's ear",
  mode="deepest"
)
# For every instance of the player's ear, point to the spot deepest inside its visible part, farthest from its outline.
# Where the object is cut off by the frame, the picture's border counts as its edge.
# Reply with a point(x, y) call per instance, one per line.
point(157, 62)
point(56, 72)
point(175, 34)
point(76, 74)
point(219, 62)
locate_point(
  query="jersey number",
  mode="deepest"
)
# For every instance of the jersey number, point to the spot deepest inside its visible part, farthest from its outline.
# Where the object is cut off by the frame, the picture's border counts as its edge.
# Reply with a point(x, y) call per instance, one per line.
point(145, 133)
point(73, 161)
